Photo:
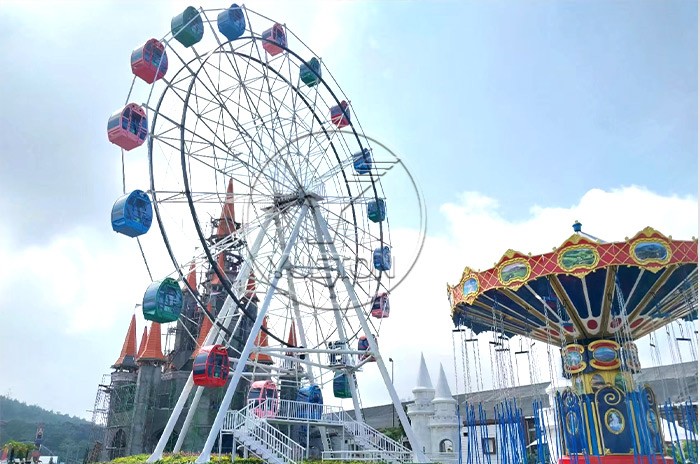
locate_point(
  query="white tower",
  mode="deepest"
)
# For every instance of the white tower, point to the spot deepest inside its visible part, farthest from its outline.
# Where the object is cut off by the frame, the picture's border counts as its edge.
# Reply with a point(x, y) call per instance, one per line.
point(422, 409)
point(444, 424)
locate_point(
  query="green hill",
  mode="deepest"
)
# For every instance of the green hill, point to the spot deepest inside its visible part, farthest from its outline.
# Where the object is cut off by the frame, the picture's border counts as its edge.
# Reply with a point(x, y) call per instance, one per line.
point(65, 436)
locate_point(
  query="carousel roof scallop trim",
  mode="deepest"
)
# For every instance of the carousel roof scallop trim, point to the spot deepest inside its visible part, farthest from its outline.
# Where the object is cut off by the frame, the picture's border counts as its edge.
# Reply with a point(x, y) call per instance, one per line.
point(577, 256)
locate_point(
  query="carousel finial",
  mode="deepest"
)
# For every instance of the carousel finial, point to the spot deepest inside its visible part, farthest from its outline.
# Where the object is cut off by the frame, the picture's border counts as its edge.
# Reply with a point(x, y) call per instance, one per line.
point(577, 226)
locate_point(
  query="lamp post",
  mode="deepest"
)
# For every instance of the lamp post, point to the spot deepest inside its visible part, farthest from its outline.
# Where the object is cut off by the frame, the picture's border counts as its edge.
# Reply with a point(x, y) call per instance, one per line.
point(393, 413)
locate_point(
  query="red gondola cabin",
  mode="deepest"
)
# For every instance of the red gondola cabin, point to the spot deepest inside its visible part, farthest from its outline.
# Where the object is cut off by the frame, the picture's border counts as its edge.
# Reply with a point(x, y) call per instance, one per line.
point(276, 40)
point(363, 345)
point(128, 127)
point(211, 367)
point(380, 306)
point(150, 62)
point(340, 115)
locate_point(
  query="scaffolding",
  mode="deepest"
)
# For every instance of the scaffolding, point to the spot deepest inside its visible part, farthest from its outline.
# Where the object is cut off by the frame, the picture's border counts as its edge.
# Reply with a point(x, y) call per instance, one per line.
point(100, 414)
point(117, 412)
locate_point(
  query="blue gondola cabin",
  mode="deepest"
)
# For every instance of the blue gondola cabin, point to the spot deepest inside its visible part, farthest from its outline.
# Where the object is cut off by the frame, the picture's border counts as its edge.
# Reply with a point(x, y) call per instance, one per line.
point(162, 301)
point(262, 397)
point(341, 386)
point(380, 306)
point(376, 210)
point(128, 127)
point(274, 40)
point(310, 73)
point(231, 22)
point(340, 115)
point(132, 214)
point(362, 161)
point(187, 27)
point(150, 62)
point(382, 258)
point(313, 397)
point(211, 366)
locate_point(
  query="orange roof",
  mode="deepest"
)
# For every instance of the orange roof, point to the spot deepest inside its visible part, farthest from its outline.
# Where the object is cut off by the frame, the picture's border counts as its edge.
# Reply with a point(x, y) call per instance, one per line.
point(220, 261)
point(227, 221)
point(152, 351)
point(192, 277)
point(292, 339)
point(261, 341)
point(250, 287)
point(142, 345)
point(127, 358)
point(204, 329)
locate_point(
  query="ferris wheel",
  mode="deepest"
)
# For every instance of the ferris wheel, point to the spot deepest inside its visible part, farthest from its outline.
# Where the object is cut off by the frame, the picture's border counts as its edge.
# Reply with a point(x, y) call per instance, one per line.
point(260, 178)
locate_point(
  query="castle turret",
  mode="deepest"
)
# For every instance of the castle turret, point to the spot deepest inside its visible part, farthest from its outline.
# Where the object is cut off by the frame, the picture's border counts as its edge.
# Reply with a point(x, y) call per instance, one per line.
point(184, 345)
point(422, 409)
point(121, 392)
point(444, 424)
point(150, 361)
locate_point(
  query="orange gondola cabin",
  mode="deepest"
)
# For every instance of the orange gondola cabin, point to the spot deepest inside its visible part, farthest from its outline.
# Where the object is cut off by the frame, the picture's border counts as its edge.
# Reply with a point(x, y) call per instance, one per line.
point(380, 306)
point(211, 367)
point(275, 40)
point(149, 61)
point(263, 397)
point(128, 127)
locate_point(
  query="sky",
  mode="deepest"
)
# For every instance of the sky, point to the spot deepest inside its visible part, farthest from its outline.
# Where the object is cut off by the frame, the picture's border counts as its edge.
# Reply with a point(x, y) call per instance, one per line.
point(514, 119)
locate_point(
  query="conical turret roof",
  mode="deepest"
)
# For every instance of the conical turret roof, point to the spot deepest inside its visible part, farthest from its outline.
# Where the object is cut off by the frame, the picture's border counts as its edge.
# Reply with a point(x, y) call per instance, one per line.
point(424, 381)
point(127, 357)
point(142, 344)
point(152, 352)
point(442, 391)
point(292, 339)
point(204, 329)
point(192, 276)
point(227, 221)
point(261, 341)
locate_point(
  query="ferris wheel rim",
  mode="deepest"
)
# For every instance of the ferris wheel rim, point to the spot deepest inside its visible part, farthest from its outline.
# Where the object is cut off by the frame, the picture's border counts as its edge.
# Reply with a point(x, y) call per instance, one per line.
point(194, 78)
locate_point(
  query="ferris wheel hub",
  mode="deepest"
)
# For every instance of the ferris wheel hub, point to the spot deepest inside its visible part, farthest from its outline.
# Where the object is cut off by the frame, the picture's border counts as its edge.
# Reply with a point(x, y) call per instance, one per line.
point(300, 197)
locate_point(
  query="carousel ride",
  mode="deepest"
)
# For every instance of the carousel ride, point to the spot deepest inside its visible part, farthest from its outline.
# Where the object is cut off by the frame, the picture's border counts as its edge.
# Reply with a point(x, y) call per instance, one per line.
point(592, 300)
point(257, 162)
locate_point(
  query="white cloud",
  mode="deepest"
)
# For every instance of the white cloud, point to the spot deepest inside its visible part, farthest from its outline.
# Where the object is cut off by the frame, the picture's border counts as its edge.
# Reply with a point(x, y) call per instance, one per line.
point(83, 278)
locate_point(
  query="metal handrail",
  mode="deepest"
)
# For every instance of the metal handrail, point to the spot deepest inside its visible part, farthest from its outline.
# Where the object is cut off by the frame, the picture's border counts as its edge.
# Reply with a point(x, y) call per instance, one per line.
point(248, 425)
point(366, 455)
point(378, 444)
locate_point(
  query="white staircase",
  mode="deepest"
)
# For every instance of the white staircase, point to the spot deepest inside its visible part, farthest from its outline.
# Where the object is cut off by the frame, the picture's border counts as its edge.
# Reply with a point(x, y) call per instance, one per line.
point(375, 445)
point(261, 438)
point(251, 427)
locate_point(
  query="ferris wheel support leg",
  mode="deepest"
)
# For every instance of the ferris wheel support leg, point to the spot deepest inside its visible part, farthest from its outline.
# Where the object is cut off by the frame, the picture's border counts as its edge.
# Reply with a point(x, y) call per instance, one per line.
point(205, 455)
point(302, 333)
point(416, 446)
point(188, 419)
point(174, 416)
point(213, 334)
point(336, 311)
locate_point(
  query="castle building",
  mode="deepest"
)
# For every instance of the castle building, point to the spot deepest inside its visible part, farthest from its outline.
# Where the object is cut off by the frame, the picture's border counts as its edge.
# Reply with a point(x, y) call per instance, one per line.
point(137, 398)
point(433, 416)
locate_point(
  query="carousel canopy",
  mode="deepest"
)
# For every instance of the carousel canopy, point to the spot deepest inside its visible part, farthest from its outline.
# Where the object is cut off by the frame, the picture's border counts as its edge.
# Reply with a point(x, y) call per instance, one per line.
point(582, 290)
